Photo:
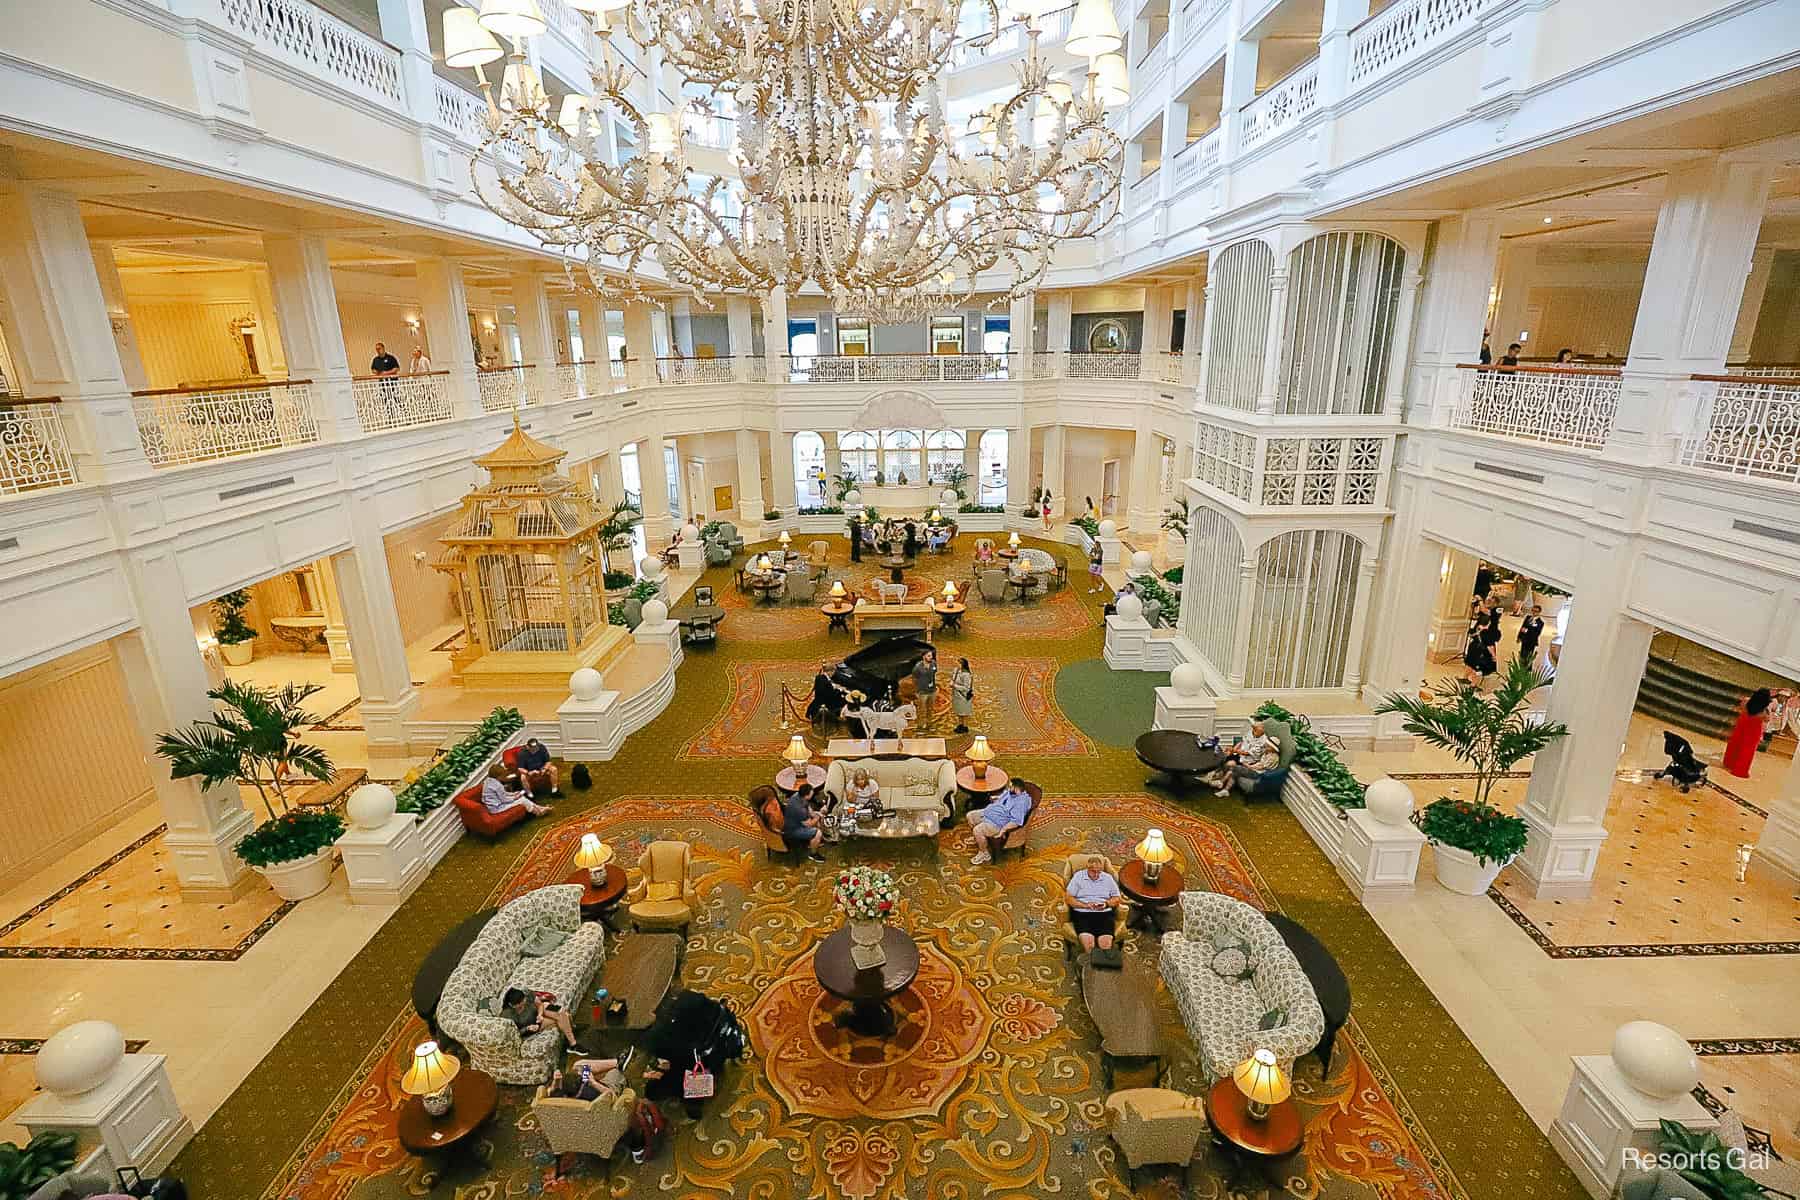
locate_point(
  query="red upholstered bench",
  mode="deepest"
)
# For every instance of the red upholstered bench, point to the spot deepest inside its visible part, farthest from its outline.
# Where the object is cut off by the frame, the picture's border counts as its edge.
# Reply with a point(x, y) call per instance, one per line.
point(477, 819)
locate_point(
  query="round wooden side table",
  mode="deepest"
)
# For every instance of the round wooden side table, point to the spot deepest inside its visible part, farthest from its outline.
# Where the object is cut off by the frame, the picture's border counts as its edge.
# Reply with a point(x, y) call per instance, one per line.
point(473, 1097)
point(867, 990)
point(599, 900)
point(1149, 900)
point(1248, 1143)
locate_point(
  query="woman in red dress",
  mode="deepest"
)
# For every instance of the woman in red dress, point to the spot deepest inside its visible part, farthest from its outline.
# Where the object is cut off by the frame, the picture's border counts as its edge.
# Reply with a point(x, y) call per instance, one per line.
point(1747, 733)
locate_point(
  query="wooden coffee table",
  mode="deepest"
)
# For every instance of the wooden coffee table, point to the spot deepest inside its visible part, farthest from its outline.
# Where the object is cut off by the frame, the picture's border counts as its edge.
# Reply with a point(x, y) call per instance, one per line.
point(1123, 1006)
point(1250, 1144)
point(599, 900)
point(867, 991)
point(1149, 900)
point(435, 1139)
point(640, 972)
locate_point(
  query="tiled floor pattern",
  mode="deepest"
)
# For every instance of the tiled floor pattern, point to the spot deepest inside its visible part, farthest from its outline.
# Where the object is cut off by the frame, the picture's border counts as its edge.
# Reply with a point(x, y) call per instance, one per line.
point(1758, 1078)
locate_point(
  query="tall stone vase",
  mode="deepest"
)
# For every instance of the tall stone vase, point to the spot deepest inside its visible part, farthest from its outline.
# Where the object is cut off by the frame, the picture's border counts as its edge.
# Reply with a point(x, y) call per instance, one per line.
point(866, 949)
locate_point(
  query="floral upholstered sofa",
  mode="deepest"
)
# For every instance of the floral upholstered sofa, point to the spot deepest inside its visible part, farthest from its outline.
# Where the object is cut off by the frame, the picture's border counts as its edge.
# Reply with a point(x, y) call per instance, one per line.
point(468, 1009)
point(1238, 985)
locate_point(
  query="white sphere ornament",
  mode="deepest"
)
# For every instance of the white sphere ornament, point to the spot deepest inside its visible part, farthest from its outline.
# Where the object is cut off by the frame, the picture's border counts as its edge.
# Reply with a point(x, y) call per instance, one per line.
point(1109, 528)
point(1655, 1059)
point(948, 495)
point(1129, 606)
point(852, 497)
point(1389, 801)
point(1188, 679)
point(689, 532)
point(650, 567)
point(79, 1057)
point(371, 805)
point(1142, 562)
point(585, 684)
point(655, 612)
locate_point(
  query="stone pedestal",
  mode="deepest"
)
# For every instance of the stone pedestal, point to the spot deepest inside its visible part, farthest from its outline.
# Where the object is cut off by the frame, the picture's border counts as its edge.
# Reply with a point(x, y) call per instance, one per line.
point(1559, 860)
point(590, 729)
point(384, 865)
point(1604, 1118)
point(1112, 550)
point(133, 1114)
point(661, 633)
point(1127, 643)
point(1196, 714)
point(1376, 860)
point(690, 556)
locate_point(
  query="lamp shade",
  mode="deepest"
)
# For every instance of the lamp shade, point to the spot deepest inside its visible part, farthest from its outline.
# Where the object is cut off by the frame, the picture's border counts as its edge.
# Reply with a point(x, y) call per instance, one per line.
point(1154, 849)
point(569, 117)
point(1112, 87)
point(950, 590)
point(431, 1071)
point(1093, 31)
point(662, 134)
point(796, 751)
point(1261, 1078)
point(518, 18)
point(593, 853)
point(785, 538)
point(1012, 539)
point(837, 589)
point(980, 751)
point(523, 87)
point(936, 515)
point(763, 563)
point(466, 43)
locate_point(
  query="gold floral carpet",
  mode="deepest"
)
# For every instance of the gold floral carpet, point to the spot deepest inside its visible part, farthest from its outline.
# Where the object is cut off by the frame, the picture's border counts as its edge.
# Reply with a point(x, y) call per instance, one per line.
point(1006, 1081)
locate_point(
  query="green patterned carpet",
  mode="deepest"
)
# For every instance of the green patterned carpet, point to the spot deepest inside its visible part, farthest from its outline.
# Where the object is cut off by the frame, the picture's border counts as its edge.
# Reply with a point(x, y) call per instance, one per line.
point(1410, 1109)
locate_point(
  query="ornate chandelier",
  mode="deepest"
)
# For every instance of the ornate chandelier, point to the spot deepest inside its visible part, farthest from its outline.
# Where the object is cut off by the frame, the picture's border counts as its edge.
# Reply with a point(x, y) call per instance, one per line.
point(850, 176)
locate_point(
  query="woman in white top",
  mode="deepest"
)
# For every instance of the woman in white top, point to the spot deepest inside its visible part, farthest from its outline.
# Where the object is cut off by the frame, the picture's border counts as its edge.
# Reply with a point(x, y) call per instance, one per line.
point(863, 791)
point(497, 799)
point(420, 364)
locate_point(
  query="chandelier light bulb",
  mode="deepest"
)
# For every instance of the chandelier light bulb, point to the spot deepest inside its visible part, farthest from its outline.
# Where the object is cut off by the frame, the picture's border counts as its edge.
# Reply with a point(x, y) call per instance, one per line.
point(662, 138)
point(521, 88)
point(569, 118)
point(512, 18)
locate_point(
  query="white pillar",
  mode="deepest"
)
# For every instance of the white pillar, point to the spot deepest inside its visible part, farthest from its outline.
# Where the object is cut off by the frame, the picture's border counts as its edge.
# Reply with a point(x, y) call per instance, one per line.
point(1206, 328)
point(537, 336)
point(1239, 88)
point(1340, 17)
point(592, 312)
point(834, 461)
point(64, 341)
point(971, 462)
point(1597, 678)
point(775, 335)
point(640, 345)
point(1159, 315)
point(749, 472)
point(1779, 844)
point(737, 329)
point(337, 634)
point(1062, 316)
point(1271, 372)
point(311, 331)
point(781, 472)
point(1053, 472)
point(118, 316)
point(1359, 618)
point(1394, 399)
point(682, 321)
point(444, 299)
point(1246, 613)
point(1018, 466)
point(653, 475)
point(1144, 516)
point(1756, 286)
point(403, 27)
point(377, 646)
point(1452, 313)
point(1021, 314)
point(167, 682)
point(1699, 260)
point(1193, 334)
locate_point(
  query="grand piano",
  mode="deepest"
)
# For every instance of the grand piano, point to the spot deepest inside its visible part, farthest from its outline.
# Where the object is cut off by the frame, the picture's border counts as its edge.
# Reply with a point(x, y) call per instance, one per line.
point(876, 670)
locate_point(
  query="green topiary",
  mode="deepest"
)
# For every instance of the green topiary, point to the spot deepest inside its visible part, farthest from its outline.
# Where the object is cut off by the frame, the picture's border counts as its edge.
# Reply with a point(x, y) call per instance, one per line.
point(293, 835)
point(229, 610)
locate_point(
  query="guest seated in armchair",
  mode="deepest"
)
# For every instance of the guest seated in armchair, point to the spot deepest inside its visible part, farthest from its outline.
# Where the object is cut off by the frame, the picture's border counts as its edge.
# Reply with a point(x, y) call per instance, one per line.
point(1249, 759)
point(536, 769)
point(531, 1011)
point(1093, 894)
point(1006, 812)
point(605, 1077)
point(503, 790)
point(800, 825)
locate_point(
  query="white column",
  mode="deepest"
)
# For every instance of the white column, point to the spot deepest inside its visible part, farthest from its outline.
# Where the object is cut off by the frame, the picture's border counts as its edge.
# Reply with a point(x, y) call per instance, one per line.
point(640, 345)
point(1341, 16)
point(1159, 314)
point(1144, 516)
point(167, 682)
point(592, 312)
point(1239, 89)
point(834, 461)
point(781, 472)
point(1779, 844)
point(682, 320)
point(1394, 399)
point(1246, 613)
point(1359, 619)
point(1451, 318)
point(653, 474)
point(1271, 372)
point(1193, 336)
point(537, 336)
point(444, 299)
point(971, 462)
point(1756, 286)
point(1062, 316)
point(1597, 676)
point(403, 27)
point(749, 471)
point(1018, 466)
point(118, 316)
point(1199, 376)
point(775, 334)
point(1053, 472)
point(377, 646)
point(1021, 315)
point(311, 331)
point(1699, 261)
point(737, 328)
point(64, 341)
point(337, 634)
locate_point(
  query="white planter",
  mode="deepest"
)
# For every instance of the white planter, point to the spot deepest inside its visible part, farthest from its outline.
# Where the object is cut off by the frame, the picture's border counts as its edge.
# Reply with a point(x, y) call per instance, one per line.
point(301, 877)
point(237, 654)
point(1459, 871)
point(978, 522)
point(1317, 815)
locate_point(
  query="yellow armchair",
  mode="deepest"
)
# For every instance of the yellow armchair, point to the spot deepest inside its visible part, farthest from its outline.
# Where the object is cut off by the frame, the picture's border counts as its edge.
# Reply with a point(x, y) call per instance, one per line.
point(583, 1126)
point(1156, 1125)
point(1072, 864)
point(664, 897)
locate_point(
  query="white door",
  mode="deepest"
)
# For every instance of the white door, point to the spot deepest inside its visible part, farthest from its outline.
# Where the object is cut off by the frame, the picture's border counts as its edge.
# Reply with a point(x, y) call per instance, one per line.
point(697, 493)
point(1109, 486)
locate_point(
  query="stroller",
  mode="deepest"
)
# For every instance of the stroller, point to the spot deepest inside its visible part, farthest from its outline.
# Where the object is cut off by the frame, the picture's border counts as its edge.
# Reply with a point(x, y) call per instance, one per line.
point(1684, 769)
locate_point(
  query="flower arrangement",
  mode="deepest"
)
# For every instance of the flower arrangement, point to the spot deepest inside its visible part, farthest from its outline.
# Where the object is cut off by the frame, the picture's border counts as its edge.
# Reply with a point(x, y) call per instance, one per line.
point(1490, 835)
point(866, 894)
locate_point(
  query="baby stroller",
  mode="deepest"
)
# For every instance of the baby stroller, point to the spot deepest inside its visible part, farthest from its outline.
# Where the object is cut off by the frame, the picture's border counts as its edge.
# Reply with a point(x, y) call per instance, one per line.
point(1684, 769)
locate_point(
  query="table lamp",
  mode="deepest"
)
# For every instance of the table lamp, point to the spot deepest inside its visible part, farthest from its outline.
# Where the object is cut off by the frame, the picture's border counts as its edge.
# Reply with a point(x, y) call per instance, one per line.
point(784, 539)
point(429, 1078)
point(594, 854)
point(763, 564)
point(837, 589)
point(1154, 851)
point(1012, 539)
point(1262, 1081)
point(980, 755)
point(798, 756)
point(936, 516)
point(949, 591)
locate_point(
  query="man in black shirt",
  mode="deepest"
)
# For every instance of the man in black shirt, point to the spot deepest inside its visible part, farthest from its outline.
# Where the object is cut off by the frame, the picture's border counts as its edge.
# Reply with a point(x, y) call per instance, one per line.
point(387, 368)
point(383, 363)
point(1511, 357)
point(1530, 630)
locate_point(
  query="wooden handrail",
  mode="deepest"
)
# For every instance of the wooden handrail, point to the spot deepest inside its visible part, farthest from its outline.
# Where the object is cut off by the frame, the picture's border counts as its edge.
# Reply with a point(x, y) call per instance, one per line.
point(245, 386)
point(398, 375)
point(1613, 372)
point(1777, 380)
point(496, 370)
point(22, 401)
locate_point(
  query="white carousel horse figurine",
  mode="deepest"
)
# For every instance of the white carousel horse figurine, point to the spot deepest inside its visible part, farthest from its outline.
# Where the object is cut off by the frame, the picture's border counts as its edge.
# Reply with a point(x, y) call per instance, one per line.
point(894, 722)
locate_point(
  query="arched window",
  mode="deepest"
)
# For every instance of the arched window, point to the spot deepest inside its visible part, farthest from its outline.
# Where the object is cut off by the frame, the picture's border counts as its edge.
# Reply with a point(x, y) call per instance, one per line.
point(1305, 600)
point(943, 450)
point(1209, 585)
point(1338, 332)
point(900, 454)
point(991, 469)
point(1240, 324)
point(857, 453)
point(809, 465)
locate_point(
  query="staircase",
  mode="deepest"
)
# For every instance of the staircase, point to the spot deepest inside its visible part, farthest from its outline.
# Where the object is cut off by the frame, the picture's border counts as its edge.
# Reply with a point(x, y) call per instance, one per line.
point(1689, 699)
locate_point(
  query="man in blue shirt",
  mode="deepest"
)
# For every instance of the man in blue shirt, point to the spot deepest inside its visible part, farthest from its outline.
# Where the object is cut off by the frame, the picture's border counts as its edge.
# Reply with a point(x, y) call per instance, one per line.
point(536, 769)
point(800, 825)
point(1004, 813)
point(1093, 894)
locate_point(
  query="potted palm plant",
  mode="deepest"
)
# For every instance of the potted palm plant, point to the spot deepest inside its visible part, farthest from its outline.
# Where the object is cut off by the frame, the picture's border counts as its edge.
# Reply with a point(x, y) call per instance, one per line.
point(615, 537)
point(1175, 520)
point(1472, 841)
point(250, 740)
point(237, 639)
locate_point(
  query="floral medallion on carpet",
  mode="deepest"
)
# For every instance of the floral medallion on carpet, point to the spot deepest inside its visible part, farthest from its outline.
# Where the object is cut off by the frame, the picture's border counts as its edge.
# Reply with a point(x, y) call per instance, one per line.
point(1015, 706)
point(991, 1084)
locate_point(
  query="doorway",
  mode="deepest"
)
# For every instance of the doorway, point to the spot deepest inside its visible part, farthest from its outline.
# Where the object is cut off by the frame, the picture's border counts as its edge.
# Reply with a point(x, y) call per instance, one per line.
point(1109, 486)
point(696, 475)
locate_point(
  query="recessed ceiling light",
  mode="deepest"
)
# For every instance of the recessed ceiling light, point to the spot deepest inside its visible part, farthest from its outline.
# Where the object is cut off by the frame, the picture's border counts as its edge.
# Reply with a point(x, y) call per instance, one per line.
point(1547, 220)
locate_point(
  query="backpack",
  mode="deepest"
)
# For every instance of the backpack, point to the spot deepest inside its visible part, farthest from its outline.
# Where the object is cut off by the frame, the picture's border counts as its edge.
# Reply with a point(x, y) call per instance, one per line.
point(581, 777)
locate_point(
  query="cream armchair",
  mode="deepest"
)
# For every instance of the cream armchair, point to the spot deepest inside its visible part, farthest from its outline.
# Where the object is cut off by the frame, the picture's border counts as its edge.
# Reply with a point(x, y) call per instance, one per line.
point(1156, 1125)
point(664, 897)
point(583, 1126)
point(1072, 940)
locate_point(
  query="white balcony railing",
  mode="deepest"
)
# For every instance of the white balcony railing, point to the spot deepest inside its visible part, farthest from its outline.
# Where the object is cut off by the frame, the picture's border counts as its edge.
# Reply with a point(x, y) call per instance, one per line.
point(401, 401)
point(708, 129)
point(189, 425)
point(460, 112)
point(1171, 367)
point(34, 452)
point(1571, 406)
point(1280, 108)
point(319, 44)
point(1101, 366)
point(694, 370)
point(568, 382)
point(503, 389)
point(1747, 425)
point(1404, 31)
point(1225, 458)
point(1323, 471)
point(896, 368)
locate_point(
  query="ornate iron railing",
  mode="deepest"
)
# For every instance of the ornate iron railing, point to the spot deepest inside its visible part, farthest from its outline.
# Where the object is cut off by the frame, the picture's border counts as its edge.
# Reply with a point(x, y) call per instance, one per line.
point(1570, 406)
point(1746, 425)
point(693, 370)
point(503, 389)
point(401, 401)
point(896, 368)
point(1102, 366)
point(189, 425)
point(1319, 471)
point(34, 451)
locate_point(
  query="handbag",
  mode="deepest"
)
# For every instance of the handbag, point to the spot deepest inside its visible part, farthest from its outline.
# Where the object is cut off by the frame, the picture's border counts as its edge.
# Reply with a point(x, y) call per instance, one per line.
point(697, 1084)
